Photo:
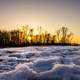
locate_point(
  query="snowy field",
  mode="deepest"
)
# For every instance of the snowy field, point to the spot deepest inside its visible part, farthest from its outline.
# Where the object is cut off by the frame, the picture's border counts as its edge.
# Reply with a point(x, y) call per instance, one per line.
point(40, 63)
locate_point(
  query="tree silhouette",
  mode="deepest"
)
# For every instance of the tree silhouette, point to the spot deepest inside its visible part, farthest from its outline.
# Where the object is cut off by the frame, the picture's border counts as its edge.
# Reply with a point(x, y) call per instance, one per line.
point(26, 37)
point(64, 35)
point(31, 35)
point(4, 38)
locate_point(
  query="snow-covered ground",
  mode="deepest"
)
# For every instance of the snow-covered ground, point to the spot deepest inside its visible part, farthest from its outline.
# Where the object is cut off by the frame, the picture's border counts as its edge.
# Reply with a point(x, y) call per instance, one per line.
point(40, 63)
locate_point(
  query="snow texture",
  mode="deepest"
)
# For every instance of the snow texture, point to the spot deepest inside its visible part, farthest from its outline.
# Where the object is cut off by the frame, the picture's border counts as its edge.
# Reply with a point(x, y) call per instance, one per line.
point(40, 63)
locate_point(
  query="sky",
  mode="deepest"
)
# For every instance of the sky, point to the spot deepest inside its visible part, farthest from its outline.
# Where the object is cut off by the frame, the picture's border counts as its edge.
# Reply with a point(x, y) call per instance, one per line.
point(50, 14)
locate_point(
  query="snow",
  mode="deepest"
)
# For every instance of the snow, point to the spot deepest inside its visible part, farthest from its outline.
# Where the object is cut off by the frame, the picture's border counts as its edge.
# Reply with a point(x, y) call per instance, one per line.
point(40, 63)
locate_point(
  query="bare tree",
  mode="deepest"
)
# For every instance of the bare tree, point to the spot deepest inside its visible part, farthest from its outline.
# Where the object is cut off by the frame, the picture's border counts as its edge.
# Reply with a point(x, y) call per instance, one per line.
point(64, 35)
point(40, 34)
point(31, 35)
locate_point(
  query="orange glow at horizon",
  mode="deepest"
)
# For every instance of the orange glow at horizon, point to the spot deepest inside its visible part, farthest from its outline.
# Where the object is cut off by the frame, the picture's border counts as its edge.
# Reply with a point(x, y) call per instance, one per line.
point(50, 14)
point(76, 40)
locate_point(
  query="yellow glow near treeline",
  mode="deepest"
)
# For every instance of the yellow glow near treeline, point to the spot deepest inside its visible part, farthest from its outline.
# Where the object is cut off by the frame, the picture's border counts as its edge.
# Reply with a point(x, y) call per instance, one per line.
point(50, 14)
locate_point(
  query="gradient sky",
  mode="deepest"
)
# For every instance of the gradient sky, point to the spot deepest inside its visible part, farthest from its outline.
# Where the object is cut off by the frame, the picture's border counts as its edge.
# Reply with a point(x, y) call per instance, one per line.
point(50, 14)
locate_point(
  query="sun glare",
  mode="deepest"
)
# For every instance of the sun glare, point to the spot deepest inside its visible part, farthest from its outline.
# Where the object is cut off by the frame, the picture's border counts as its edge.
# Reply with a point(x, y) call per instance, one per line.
point(29, 38)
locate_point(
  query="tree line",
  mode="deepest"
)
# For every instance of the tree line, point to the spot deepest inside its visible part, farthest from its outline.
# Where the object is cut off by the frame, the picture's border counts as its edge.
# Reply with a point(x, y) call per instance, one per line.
point(25, 36)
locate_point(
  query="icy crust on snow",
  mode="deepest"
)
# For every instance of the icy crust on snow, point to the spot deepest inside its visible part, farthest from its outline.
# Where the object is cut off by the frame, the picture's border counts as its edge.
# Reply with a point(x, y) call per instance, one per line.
point(40, 63)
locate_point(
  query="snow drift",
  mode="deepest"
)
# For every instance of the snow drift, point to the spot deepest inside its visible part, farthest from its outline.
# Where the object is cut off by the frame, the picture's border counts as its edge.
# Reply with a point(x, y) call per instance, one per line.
point(40, 63)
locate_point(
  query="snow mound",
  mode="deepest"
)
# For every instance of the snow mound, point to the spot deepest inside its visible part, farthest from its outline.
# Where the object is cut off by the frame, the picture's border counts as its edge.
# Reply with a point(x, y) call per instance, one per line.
point(40, 63)
point(58, 72)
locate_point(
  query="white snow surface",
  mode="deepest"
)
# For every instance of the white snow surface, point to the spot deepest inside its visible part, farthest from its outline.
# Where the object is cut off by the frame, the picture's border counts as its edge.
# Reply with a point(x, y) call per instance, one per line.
point(40, 63)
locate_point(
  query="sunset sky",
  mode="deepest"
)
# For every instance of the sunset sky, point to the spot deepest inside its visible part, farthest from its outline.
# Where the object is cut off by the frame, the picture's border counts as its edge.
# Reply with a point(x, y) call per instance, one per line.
point(50, 14)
